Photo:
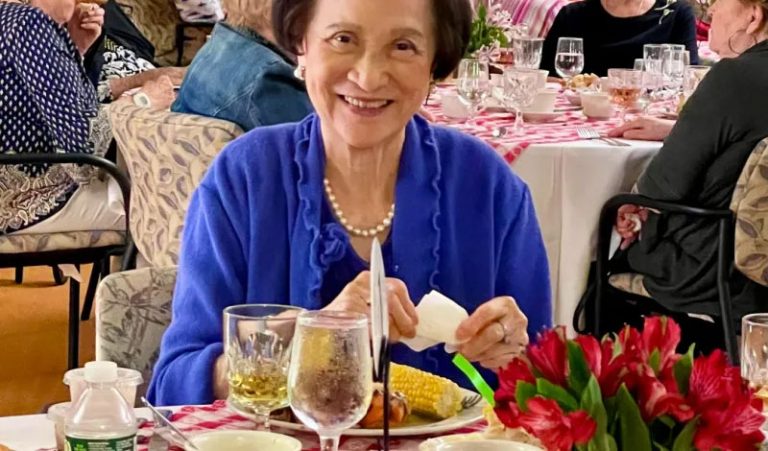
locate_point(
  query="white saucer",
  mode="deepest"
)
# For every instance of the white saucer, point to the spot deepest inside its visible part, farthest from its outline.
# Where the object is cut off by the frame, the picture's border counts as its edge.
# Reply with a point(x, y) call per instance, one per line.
point(540, 117)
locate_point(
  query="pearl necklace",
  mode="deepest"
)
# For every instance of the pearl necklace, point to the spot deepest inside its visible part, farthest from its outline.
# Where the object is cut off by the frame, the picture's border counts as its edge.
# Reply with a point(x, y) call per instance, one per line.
point(373, 231)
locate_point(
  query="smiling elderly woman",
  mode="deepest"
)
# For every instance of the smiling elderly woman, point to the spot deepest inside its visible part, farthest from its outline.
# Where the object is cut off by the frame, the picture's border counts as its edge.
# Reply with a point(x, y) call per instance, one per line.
point(288, 213)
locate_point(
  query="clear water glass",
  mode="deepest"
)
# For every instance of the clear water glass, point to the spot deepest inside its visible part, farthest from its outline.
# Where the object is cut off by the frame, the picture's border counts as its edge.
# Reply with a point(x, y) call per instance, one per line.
point(473, 84)
point(330, 382)
point(518, 92)
point(673, 66)
point(569, 57)
point(257, 346)
point(527, 52)
point(754, 350)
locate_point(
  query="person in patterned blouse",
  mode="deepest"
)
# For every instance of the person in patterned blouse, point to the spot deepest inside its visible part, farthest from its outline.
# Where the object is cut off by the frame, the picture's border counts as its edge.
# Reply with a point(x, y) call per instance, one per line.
point(47, 105)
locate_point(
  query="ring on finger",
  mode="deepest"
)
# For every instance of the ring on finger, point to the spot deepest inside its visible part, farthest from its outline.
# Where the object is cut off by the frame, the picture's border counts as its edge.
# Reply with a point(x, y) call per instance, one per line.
point(507, 338)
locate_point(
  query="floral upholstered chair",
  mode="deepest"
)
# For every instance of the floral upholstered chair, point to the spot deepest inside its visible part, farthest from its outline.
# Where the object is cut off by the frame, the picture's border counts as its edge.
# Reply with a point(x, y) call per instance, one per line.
point(167, 155)
point(133, 309)
point(750, 205)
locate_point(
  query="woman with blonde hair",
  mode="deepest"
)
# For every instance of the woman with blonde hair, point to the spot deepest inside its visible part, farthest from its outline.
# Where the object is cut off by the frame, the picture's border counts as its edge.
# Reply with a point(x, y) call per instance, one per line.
point(241, 75)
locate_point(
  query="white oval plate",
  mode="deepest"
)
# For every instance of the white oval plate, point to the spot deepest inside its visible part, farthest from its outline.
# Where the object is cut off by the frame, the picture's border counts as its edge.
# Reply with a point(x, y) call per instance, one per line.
point(464, 418)
point(434, 444)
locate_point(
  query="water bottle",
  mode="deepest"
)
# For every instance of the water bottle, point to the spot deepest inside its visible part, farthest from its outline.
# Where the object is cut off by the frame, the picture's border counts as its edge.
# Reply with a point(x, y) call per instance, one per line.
point(101, 419)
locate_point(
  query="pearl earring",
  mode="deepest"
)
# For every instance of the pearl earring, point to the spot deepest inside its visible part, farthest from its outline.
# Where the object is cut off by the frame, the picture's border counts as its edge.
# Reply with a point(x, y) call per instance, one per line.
point(299, 72)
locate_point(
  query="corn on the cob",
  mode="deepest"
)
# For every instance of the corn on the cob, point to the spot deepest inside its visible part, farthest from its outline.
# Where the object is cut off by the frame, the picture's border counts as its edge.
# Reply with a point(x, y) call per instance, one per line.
point(426, 393)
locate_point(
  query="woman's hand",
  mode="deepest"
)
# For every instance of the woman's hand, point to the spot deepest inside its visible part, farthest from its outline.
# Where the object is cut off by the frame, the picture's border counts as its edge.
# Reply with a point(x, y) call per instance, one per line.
point(355, 297)
point(85, 25)
point(644, 129)
point(629, 221)
point(494, 334)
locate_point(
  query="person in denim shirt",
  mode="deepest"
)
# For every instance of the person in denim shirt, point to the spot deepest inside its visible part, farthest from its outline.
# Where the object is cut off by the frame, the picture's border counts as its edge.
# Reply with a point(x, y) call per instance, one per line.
point(241, 76)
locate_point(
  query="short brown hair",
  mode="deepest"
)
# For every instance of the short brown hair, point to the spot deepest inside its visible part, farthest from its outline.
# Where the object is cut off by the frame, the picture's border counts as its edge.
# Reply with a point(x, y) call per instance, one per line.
point(453, 19)
point(253, 14)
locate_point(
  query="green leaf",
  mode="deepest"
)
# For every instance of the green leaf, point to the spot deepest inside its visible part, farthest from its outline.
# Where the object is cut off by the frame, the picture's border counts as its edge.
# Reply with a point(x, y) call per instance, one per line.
point(592, 403)
point(579, 373)
point(682, 370)
point(523, 392)
point(549, 390)
point(634, 431)
point(684, 441)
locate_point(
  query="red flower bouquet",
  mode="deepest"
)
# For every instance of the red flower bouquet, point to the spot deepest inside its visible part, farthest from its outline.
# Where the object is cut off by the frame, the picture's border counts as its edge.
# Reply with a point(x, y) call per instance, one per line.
point(631, 391)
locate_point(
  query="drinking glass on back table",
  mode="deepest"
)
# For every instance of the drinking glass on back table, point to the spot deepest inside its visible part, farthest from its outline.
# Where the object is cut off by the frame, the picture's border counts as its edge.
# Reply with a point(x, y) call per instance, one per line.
point(527, 52)
point(626, 87)
point(473, 84)
point(330, 384)
point(257, 343)
point(673, 66)
point(569, 57)
point(519, 90)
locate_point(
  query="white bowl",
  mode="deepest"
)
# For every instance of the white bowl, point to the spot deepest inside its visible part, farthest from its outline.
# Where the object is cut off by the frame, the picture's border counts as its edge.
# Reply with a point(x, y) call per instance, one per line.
point(473, 442)
point(245, 441)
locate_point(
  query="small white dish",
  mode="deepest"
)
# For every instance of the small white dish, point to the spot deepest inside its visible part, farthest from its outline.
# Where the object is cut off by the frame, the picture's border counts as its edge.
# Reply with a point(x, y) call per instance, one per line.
point(540, 117)
point(245, 441)
point(473, 442)
point(453, 107)
point(573, 97)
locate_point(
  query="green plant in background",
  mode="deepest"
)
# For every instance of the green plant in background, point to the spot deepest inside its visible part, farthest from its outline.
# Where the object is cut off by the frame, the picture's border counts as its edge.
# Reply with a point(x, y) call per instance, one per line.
point(489, 29)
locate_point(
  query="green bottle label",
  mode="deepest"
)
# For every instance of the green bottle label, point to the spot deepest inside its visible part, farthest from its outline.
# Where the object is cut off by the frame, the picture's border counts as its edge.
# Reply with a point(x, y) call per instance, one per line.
point(111, 444)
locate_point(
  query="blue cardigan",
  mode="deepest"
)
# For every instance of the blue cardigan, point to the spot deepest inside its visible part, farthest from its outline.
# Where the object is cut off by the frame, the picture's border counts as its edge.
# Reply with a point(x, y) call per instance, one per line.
point(464, 225)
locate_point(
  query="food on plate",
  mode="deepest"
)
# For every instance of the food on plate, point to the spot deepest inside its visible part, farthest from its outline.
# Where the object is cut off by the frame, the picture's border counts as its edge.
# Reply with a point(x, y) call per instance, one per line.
point(497, 431)
point(583, 81)
point(398, 409)
point(5, 448)
point(427, 394)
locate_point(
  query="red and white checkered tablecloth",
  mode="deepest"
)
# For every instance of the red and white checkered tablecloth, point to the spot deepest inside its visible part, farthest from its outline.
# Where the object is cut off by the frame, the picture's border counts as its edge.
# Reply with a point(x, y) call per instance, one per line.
point(510, 146)
point(193, 420)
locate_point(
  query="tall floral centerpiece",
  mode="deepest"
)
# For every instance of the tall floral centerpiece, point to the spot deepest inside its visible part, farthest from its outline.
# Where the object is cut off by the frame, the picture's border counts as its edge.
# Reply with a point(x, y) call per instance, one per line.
point(631, 391)
point(491, 30)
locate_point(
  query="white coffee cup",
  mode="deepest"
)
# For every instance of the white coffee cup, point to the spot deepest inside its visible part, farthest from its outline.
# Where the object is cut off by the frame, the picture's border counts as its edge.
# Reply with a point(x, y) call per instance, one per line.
point(541, 76)
point(596, 105)
point(544, 102)
point(453, 107)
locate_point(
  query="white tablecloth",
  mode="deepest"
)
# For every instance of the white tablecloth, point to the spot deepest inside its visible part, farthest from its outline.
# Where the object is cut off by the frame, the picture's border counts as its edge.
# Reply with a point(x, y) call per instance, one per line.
point(569, 183)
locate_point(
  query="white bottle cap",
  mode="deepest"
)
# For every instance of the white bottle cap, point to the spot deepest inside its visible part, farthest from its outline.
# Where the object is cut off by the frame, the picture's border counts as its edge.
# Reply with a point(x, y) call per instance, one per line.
point(100, 372)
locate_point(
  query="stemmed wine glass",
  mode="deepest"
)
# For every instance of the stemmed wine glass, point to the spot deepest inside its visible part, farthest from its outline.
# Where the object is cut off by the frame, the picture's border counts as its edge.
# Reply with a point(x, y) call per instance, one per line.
point(473, 84)
point(569, 59)
point(519, 91)
point(257, 345)
point(626, 86)
point(330, 382)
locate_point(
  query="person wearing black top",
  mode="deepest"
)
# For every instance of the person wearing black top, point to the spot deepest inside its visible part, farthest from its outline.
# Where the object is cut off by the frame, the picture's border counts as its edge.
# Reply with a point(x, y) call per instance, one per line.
point(614, 31)
point(699, 164)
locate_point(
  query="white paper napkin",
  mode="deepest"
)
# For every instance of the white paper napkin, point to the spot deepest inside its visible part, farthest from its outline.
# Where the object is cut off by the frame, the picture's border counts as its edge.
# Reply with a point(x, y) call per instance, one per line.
point(439, 317)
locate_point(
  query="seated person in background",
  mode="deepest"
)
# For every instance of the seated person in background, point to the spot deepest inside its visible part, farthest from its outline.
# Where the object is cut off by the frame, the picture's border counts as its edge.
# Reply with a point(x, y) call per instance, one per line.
point(48, 105)
point(241, 75)
point(699, 165)
point(614, 31)
point(287, 214)
point(121, 59)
